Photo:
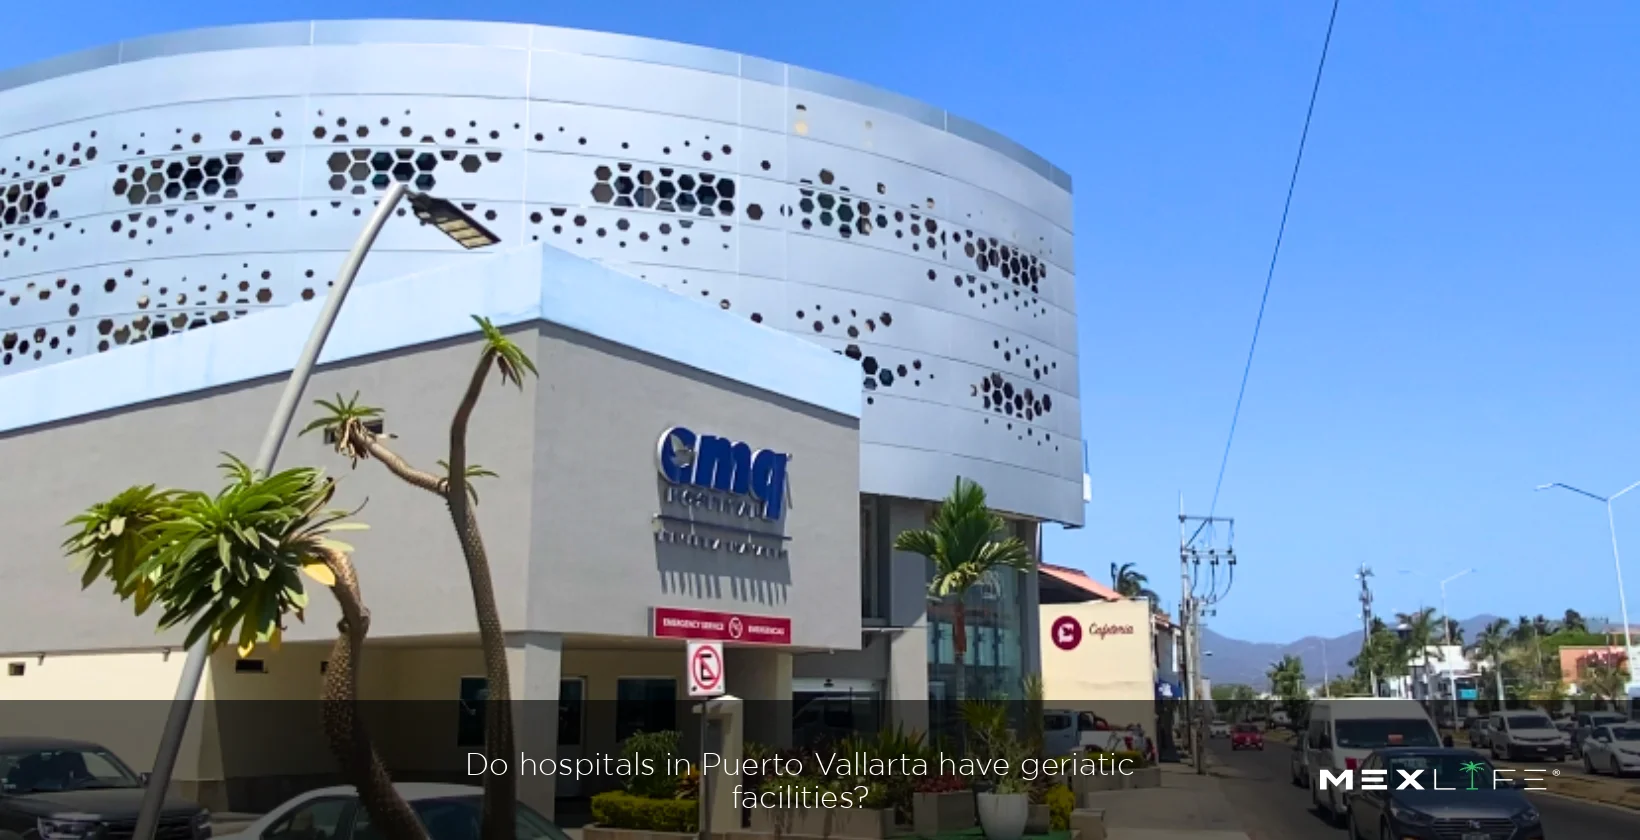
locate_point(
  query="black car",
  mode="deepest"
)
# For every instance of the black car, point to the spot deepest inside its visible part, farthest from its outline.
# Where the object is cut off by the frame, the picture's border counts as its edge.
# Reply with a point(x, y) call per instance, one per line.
point(60, 789)
point(1439, 794)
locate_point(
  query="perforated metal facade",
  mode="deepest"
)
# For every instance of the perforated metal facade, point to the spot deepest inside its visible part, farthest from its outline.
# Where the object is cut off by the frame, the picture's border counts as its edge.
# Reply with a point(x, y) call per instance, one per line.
point(179, 181)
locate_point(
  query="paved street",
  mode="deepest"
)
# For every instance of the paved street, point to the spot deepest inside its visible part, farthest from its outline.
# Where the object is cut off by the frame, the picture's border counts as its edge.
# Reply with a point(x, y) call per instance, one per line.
point(1270, 808)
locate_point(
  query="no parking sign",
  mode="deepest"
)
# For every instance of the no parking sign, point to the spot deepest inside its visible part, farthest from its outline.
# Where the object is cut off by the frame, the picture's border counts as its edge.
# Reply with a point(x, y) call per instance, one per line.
point(705, 666)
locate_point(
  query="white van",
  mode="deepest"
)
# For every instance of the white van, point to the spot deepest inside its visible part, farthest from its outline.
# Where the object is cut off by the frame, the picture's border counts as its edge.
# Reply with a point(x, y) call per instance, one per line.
point(1341, 733)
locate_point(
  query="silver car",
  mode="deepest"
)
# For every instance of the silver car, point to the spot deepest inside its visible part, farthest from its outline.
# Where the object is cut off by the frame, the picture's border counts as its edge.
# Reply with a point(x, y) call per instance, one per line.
point(1613, 748)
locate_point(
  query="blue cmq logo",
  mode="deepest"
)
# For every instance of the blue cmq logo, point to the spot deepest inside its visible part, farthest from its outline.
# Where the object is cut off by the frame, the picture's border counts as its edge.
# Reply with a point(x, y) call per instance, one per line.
point(728, 466)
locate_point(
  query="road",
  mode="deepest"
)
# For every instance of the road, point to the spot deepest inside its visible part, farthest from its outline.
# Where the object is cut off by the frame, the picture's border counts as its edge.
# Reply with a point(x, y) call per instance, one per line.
point(1260, 786)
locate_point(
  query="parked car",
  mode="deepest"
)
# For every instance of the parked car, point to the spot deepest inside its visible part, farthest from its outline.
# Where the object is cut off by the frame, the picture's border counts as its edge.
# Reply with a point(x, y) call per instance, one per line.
point(1342, 733)
point(1219, 729)
point(1587, 722)
point(1246, 736)
point(1447, 806)
point(449, 812)
point(1526, 734)
point(58, 788)
point(1613, 748)
point(1476, 728)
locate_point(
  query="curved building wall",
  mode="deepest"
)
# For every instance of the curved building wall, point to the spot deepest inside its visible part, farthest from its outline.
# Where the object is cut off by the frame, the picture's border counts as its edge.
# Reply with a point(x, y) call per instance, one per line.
point(183, 180)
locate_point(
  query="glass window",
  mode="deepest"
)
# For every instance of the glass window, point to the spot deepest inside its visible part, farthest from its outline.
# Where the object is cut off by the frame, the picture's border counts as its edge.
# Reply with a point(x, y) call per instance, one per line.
point(570, 703)
point(460, 818)
point(474, 693)
point(64, 769)
point(870, 561)
point(645, 704)
point(1377, 734)
point(318, 819)
point(1530, 722)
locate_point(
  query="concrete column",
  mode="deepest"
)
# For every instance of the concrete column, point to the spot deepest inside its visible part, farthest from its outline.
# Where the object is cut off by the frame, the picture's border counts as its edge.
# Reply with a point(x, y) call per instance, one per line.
point(907, 687)
point(534, 666)
point(763, 679)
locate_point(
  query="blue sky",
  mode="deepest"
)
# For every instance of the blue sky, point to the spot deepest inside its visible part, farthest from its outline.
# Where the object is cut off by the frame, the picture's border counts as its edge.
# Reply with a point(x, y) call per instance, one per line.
point(1454, 316)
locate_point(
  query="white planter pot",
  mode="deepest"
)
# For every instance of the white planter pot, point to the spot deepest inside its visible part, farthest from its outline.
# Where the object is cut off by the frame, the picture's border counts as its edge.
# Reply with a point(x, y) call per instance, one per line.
point(1003, 815)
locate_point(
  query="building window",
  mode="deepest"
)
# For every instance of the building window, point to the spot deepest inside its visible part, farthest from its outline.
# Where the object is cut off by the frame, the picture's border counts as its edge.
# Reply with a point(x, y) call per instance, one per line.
point(871, 560)
point(645, 704)
point(475, 692)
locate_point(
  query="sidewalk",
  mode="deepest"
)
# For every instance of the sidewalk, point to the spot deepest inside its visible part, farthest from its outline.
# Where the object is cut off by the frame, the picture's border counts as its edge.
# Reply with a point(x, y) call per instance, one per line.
point(1185, 807)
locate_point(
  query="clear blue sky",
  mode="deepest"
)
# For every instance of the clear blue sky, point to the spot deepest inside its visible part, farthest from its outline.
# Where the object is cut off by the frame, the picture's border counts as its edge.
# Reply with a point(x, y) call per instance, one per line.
point(1454, 317)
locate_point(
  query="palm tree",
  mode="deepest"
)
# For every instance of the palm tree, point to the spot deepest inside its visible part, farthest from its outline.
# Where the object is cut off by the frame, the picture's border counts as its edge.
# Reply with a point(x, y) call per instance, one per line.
point(1417, 636)
point(1574, 622)
point(1454, 630)
point(230, 565)
point(1490, 646)
point(966, 542)
point(1130, 583)
point(347, 423)
point(1286, 677)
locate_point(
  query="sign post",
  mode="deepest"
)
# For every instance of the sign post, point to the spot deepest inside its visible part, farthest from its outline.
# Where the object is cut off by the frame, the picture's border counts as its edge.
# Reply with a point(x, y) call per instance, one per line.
point(704, 663)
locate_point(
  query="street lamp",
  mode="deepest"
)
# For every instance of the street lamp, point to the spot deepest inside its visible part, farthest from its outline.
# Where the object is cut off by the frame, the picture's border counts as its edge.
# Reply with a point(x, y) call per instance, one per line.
point(468, 233)
point(1326, 674)
point(1451, 677)
point(1617, 561)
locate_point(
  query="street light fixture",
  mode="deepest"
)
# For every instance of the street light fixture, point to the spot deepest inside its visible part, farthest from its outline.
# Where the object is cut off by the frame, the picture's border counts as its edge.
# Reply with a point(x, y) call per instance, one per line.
point(446, 216)
point(1633, 687)
point(468, 233)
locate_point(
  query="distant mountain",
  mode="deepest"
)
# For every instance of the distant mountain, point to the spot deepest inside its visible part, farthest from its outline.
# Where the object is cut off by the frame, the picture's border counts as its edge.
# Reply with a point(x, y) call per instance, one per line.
point(1236, 661)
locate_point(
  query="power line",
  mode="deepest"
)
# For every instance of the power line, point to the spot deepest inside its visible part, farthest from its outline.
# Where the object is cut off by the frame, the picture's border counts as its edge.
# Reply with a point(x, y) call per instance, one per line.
point(1269, 275)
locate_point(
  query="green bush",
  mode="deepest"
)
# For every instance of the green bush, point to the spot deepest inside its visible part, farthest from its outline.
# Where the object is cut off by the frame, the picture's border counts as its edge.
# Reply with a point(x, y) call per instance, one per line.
point(1060, 802)
point(619, 809)
point(658, 748)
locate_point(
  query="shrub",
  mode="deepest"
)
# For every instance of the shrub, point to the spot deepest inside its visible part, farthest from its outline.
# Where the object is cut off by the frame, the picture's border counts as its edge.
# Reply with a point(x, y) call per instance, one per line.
point(619, 809)
point(941, 784)
point(1060, 802)
point(658, 748)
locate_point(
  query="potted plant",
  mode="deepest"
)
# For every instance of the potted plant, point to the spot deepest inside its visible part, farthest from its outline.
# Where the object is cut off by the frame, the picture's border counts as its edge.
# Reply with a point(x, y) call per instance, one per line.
point(941, 805)
point(1004, 811)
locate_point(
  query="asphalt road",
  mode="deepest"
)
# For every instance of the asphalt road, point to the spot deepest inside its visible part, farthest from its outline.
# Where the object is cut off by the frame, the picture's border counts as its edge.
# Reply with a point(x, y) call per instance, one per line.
point(1259, 785)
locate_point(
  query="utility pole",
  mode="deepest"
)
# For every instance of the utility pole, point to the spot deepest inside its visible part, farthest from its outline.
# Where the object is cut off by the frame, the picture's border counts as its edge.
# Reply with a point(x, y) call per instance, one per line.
point(1366, 618)
point(1198, 592)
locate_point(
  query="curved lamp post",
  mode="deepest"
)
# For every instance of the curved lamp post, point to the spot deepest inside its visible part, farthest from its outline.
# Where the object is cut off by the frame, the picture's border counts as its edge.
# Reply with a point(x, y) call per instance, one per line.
point(1633, 687)
point(452, 222)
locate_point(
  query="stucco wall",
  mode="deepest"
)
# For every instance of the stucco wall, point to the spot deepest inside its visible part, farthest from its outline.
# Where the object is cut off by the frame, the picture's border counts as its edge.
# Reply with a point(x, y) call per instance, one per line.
point(567, 523)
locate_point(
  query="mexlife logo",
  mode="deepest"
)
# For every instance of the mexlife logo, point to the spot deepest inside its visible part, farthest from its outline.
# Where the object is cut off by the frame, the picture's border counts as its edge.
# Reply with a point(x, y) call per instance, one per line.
point(728, 466)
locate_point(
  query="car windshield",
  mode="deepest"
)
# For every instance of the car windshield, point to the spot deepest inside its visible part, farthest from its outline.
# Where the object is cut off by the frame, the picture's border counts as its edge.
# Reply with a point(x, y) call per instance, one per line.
point(1440, 770)
point(35, 771)
point(1603, 718)
point(1625, 733)
point(1530, 722)
point(458, 818)
point(1377, 734)
point(1247, 727)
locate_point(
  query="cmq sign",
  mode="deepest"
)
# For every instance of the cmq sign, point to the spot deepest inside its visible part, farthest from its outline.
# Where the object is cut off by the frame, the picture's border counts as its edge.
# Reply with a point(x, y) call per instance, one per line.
point(728, 466)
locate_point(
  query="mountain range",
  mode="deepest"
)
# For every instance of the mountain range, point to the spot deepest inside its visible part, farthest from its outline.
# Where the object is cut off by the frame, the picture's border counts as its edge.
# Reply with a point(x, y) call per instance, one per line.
point(1235, 661)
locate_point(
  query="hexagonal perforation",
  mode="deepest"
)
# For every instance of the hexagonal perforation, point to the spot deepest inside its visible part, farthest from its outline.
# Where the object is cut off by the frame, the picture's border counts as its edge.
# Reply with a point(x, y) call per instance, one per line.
point(193, 178)
point(23, 204)
point(998, 394)
point(79, 153)
point(360, 170)
point(665, 189)
point(880, 373)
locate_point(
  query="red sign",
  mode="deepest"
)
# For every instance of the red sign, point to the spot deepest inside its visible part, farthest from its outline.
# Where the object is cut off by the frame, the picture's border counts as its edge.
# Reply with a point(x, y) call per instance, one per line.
point(1067, 633)
point(675, 623)
point(705, 669)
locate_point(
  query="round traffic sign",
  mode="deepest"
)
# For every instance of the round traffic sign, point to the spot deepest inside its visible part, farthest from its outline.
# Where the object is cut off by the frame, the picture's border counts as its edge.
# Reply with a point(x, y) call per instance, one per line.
point(736, 627)
point(706, 669)
point(1067, 633)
